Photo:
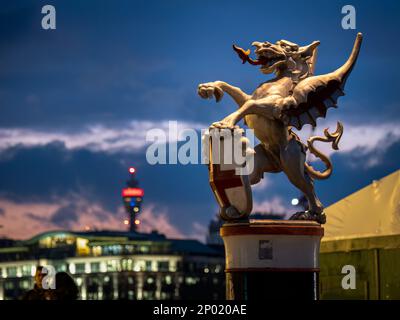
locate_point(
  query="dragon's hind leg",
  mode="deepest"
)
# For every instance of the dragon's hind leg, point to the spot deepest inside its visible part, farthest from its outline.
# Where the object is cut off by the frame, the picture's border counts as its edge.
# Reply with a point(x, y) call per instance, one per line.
point(292, 161)
point(264, 161)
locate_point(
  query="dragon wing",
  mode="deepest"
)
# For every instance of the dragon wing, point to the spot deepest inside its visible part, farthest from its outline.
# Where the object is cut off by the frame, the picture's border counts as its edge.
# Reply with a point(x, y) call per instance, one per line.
point(314, 95)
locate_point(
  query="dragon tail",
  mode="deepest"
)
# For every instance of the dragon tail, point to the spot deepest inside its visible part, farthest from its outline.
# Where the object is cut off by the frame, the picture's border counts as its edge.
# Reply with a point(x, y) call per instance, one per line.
point(334, 138)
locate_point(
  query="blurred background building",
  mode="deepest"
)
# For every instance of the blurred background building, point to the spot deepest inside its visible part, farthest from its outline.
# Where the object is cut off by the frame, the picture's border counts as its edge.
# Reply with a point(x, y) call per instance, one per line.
point(116, 265)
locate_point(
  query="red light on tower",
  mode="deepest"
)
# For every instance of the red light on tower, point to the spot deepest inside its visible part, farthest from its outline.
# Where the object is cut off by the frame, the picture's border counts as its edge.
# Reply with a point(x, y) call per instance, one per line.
point(132, 170)
point(132, 192)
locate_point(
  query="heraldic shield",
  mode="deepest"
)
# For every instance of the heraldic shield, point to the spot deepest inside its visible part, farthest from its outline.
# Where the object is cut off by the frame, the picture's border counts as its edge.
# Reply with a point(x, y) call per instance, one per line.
point(229, 158)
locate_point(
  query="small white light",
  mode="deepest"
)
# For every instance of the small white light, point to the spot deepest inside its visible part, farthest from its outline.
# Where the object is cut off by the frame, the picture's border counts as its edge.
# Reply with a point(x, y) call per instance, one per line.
point(72, 268)
point(33, 270)
point(295, 202)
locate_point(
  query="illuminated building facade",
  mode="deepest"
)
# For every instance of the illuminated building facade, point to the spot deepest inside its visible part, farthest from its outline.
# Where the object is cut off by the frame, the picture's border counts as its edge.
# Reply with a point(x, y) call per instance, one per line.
point(116, 265)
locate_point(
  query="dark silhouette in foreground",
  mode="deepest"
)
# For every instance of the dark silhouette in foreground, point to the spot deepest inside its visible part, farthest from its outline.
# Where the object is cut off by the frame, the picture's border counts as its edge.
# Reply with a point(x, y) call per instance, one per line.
point(65, 287)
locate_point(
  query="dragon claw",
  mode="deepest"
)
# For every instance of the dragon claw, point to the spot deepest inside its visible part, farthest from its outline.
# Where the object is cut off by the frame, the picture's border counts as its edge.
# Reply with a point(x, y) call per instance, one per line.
point(230, 213)
point(224, 125)
point(309, 216)
point(210, 90)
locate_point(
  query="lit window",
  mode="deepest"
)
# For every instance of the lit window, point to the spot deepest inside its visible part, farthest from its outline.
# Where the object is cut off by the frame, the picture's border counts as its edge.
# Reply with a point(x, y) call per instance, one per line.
point(139, 265)
point(25, 284)
point(136, 268)
point(95, 266)
point(144, 248)
point(12, 272)
point(82, 247)
point(96, 250)
point(126, 264)
point(80, 268)
point(26, 270)
point(148, 265)
point(163, 265)
point(60, 267)
point(190, 280)
point(103, 267)
point(113, 265)
point(9, 285)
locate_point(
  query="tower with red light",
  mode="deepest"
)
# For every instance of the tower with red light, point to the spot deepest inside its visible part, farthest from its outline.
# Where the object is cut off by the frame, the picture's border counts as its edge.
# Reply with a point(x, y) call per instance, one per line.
point(132, 197)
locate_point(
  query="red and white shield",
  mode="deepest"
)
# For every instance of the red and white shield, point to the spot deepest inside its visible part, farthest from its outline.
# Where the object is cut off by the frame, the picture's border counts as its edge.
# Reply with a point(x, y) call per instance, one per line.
point(231, 188)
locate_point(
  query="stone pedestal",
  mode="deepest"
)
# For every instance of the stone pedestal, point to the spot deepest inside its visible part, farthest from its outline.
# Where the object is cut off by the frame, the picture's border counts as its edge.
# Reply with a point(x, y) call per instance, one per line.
point(272, 259)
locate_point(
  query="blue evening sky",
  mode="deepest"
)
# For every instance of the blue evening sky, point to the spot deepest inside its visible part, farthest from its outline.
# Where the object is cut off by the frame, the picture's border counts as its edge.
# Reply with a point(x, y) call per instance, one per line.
point(109, 63)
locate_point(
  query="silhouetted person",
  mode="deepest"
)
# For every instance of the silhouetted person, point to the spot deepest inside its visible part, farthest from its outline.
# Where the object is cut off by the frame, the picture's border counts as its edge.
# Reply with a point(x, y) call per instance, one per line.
point(66, 289)
point(38, 293)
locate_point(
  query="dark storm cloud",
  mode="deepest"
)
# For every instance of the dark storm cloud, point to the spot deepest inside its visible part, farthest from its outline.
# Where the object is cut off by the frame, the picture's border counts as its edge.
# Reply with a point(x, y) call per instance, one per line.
point(352, 172)
point(53, 173)
point(36, 217)
point(65, 216)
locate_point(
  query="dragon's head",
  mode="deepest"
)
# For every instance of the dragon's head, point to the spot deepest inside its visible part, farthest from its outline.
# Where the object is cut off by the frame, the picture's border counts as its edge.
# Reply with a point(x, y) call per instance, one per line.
point(282, 57)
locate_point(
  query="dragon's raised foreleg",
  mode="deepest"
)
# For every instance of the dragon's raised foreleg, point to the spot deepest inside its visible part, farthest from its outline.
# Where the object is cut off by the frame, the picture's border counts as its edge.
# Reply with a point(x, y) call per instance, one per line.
point(217, 88)
point(268, 107)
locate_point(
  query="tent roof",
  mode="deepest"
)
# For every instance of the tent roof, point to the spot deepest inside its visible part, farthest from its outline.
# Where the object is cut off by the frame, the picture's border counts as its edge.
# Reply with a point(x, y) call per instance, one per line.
point(371, 211)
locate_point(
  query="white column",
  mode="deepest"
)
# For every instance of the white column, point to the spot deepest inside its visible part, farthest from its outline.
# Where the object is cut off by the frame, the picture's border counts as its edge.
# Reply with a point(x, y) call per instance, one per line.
point(115, 285)
point(139, 286)
point(158, 286)
point(83, 288)
point(1, 289)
